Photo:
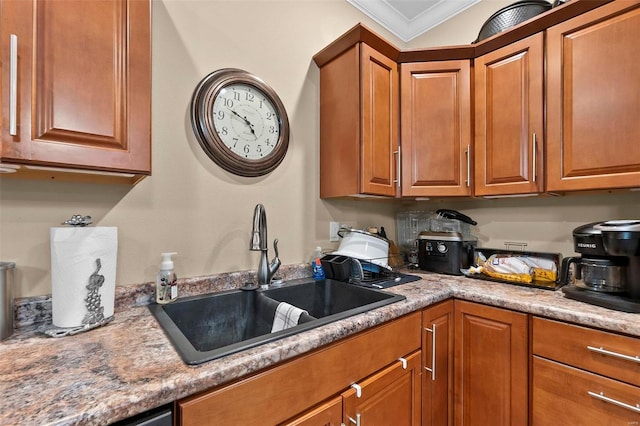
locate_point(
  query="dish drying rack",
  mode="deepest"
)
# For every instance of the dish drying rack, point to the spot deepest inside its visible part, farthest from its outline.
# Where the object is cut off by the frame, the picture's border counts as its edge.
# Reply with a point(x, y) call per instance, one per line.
point(367, 272)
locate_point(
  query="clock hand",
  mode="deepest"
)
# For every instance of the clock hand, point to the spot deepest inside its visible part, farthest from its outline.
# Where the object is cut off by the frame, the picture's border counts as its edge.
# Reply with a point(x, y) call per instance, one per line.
point(247, 122)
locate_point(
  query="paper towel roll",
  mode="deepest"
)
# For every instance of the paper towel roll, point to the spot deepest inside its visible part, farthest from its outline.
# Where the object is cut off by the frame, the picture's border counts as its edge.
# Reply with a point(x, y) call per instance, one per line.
point(83, 274)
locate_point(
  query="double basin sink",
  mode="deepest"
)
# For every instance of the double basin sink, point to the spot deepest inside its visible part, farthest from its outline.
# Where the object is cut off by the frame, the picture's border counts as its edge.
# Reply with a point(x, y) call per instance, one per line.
point(206, 327)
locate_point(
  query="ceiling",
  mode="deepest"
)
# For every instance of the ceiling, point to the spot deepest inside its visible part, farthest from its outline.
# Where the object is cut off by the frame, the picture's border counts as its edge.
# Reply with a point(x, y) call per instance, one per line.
point(407, 19)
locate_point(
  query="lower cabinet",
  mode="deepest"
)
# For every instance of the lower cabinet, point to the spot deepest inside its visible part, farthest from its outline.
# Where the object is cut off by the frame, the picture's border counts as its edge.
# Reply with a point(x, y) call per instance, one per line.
point(437, 364)
point(470, 366)
point(491, 365)
point(584, 376)
point(370, 359)
point(328, 413)
point(475, 365)
point(388, 397)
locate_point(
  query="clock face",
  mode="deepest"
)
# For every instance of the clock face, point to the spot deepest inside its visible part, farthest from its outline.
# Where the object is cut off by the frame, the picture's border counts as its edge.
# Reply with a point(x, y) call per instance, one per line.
point(246, 121)
point(240, 122)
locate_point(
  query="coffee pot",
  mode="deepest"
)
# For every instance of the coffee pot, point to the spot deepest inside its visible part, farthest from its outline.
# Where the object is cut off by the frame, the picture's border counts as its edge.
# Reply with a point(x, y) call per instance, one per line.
point(608, 271)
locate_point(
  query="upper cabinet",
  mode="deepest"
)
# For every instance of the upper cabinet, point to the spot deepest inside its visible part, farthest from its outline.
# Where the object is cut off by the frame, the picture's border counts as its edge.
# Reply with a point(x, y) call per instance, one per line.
point(549, 105)
point(509, 108)
point(76, 87)
point(435, 128)
point(593, 100)
point(359, 102)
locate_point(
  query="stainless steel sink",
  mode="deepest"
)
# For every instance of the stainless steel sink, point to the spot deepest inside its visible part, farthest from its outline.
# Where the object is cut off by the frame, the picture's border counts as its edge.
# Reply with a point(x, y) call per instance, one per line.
point(210, 326)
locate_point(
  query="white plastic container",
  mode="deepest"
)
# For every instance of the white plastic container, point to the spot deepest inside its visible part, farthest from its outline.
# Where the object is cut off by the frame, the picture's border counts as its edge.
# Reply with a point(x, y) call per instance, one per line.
point(166, 281)
point(364, 245)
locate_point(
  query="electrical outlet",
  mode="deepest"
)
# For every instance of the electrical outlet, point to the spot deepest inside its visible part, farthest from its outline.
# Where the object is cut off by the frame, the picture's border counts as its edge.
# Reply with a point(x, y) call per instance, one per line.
point(334, 227)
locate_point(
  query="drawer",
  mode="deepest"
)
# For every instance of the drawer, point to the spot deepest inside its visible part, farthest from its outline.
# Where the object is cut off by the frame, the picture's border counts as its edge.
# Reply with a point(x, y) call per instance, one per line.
point(561, 396)
point(609, 354)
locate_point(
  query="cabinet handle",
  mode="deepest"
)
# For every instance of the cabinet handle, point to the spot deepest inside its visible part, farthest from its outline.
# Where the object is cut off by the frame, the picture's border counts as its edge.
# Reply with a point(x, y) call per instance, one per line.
point(534, 154)
point(13, 85)
point(355, 421)
point(358, 389)
point(404, 363)
point(432, 330)
point(601, 396)
point(398, 166)
point(603, 351)
point(467, 153)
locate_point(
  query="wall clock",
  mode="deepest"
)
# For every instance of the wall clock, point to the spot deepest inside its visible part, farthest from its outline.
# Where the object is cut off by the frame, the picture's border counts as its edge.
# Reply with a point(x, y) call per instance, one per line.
point(240, 122)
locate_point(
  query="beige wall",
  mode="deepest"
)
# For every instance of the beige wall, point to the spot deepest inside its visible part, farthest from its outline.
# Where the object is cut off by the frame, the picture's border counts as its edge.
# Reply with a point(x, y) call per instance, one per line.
point(193, 207)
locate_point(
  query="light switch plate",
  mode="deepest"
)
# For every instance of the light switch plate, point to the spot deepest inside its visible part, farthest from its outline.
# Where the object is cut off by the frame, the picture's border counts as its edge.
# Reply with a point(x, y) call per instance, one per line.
point(334, 227)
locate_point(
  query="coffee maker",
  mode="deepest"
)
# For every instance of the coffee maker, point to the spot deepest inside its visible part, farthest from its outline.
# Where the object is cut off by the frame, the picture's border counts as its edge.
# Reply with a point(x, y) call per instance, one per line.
point(608, 272)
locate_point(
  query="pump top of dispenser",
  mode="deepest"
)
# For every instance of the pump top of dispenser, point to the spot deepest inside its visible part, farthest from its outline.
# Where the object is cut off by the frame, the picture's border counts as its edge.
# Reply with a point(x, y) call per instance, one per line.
point(167, 261)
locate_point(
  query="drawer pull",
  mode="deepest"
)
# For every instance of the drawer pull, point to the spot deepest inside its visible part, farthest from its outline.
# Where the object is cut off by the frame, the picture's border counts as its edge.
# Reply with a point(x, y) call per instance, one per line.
point(614, 354)
point(602, 397)
point(355, 421)
point(358, 389)
point(403, 361)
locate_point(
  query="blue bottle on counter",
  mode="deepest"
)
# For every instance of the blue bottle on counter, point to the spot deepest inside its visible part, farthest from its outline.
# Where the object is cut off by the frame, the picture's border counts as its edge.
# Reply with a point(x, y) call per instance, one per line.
point(316, 265)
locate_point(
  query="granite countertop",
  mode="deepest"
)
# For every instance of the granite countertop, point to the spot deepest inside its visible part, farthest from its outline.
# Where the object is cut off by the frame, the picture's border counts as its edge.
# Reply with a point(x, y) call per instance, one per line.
point(129, 365)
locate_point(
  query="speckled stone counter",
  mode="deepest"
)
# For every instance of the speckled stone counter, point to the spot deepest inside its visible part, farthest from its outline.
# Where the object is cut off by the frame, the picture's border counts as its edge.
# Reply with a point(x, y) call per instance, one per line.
point(129, 366)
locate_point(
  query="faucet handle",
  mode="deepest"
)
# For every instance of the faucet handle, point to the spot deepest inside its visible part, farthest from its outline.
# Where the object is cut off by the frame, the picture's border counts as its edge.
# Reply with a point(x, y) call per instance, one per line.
point(275, 262)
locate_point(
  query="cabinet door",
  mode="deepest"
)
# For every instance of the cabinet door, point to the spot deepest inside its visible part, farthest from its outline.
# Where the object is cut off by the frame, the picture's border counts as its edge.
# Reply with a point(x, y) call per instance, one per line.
point(509, 119)
point(437, 362)
point(83, 84)
point(380, 103)
point(326, 414)
point(435, 128)
point(593, 100)
point(491, 366)
point(390, 397)
point(359, 124)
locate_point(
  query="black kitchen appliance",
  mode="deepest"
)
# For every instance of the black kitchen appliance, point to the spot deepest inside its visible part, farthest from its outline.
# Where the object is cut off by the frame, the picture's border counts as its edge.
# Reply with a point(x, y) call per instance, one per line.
point(445, 252)
point(608, 271)
point(448, 245)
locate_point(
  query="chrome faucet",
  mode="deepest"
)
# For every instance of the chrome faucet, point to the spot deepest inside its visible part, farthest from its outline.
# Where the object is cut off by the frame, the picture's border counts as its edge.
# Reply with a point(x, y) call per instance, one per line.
point(266, 269)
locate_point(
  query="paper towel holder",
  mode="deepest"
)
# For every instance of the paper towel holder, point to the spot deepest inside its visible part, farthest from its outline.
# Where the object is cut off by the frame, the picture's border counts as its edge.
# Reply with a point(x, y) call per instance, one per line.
point(95, 311)
point(94, 316)
point(78, 220)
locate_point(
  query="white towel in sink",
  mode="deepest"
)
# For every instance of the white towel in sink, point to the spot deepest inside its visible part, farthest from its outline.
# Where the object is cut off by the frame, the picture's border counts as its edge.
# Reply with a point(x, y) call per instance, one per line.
point(286, 316)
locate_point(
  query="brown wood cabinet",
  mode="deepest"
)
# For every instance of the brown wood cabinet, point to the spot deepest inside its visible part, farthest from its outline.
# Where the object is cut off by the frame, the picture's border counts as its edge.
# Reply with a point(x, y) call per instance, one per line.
point(359, 113)
point(390, 397)
point(328, 413)
point(491, 365)
point(271, 397)
point(584, 376)
point(83, 86)
point(436, 128)
point(509, 119)
point(437, 361)
point(593, 100)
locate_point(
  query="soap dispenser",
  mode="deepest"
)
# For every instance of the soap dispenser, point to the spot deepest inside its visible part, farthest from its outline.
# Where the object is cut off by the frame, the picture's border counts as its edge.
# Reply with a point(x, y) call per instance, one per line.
point(166, 282)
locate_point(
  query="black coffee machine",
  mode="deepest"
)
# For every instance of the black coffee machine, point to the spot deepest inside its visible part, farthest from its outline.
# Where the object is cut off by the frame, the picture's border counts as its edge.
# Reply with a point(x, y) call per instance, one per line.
point(608, 272)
